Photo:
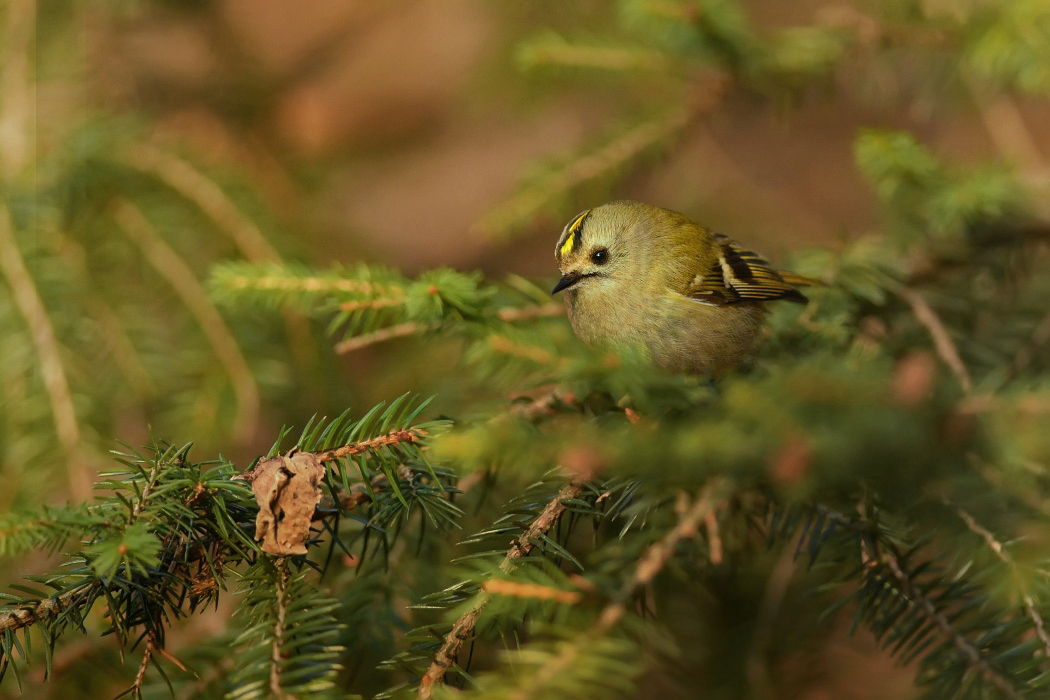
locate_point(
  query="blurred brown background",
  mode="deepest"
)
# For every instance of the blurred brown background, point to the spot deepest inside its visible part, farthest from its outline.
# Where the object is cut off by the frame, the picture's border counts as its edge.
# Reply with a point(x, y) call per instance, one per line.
point(390, 129)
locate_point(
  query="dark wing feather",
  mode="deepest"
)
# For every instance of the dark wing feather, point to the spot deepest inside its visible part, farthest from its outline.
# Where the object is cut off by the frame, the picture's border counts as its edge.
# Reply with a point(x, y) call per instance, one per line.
point(737, 275)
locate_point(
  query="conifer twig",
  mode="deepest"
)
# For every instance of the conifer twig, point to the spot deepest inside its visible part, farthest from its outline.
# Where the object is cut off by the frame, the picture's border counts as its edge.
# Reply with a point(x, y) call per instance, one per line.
point(147, 653)
point(280, 611)
point(17, 109)
point(202, 191)
point(402, 330)
point(180, 276)
point(996, 546)
point(52, 371)
point(942, 340)
point(26, 616)
point(620, 150)
point(463, 628)
point(918, 597)
point(651, 563)
point(875, 555)
point(394, 437)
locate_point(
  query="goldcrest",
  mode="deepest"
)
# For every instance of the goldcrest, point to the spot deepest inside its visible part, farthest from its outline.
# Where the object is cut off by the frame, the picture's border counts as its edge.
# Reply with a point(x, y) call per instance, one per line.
point(655, 282)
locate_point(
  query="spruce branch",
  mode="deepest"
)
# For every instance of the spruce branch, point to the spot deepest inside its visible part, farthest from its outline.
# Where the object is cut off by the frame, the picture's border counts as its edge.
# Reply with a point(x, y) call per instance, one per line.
point(183, 281)
point(878, 557)
point(552, 50)
point(917, 596)
point(406, 330)
point(189, 182)
point(512, 314)
point(1030, 608)
point(570, 654)
point(401, 330)
point(42, 332)
point(656, 556)
point(41, 611)
point(942, 339)
point(394, 437)
point(1037, 340)
point(463, 628)
point(237, 277)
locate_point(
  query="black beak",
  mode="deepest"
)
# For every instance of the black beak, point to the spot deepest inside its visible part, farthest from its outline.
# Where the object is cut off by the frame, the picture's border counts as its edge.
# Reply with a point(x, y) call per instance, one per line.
point(567, 281)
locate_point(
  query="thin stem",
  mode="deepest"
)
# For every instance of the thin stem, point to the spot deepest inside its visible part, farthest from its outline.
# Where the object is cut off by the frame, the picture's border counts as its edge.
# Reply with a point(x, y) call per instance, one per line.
point(402, 330)
point(463, 628)
point(194, 186)
point(942, 339)
point(997, 547)
point(180, 276)
point(623, 149)
point(52, 370)
point(394, 437)
point(281, 611)
point(652, 562)
point(875, 555)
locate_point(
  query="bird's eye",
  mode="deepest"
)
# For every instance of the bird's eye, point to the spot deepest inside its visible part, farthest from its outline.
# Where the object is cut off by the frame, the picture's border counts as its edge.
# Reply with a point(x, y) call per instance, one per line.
point(600, 256)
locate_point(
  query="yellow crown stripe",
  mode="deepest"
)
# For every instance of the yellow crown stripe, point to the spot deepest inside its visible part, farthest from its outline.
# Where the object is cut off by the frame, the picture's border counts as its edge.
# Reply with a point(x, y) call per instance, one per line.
point(566, 247)
point(573, 239)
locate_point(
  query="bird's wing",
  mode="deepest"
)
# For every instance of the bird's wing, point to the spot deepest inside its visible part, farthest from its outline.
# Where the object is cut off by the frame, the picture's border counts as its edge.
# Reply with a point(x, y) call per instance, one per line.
point(738, 275)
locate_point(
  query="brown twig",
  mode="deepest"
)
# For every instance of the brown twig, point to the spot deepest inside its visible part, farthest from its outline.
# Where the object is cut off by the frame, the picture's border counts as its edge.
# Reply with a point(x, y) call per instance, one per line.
point(654, 559)
point(147, 654)
point(17, 84)
point(544, 406)
point(26, 616)
point(463, 628)
point(402, 330)
point(280, 612)
point(1015, 142)
point(942, 340)
point(371, 304)
point(394, 437)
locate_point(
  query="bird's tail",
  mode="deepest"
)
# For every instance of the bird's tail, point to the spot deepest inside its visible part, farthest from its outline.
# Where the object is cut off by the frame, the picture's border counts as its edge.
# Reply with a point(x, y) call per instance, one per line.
point(797, 280)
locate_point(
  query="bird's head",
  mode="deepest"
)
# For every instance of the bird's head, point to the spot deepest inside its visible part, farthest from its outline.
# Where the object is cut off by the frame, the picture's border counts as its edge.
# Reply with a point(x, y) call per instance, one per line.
point(593, 247)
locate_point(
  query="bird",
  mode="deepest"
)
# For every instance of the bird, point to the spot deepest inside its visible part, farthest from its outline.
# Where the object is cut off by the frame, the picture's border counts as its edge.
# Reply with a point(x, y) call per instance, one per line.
point(652, 281)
